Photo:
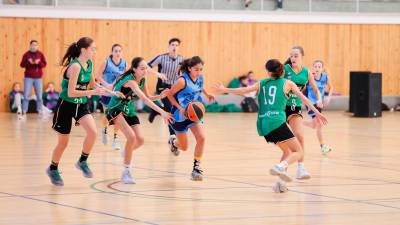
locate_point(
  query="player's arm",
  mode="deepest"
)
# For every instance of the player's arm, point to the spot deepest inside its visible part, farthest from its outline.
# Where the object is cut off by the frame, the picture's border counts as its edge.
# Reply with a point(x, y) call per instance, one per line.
point(290, 86)
point(136, 89)
point(220, 88)
point(311, 81)
point(162, 95)
point(329, 85)
point(176, 87)
point(210, 97)
point(99, 75)
point(73, 74)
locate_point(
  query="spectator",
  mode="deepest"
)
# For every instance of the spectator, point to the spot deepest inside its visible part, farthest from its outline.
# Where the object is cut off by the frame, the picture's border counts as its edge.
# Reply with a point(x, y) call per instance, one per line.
point(244, 82)
point(33, 61)
point(50, 97)
point(15, 99)
point(252, 80)
point(279, 4)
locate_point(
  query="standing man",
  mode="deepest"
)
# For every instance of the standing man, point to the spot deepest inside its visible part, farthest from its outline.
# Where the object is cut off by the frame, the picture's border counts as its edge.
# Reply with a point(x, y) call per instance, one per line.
point(168, 71)
point(33, 61)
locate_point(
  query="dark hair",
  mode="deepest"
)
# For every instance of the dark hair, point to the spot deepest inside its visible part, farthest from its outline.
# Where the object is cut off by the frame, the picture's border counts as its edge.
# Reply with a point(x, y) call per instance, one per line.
point(114, 46)
point(288, 61)
point(275, 67)
point(191, 62)
point(318, 61)
point(251, 71)
point(174, 40)
point(33, 41)
point(243, 77)
point(134, 65)
point(74, 50)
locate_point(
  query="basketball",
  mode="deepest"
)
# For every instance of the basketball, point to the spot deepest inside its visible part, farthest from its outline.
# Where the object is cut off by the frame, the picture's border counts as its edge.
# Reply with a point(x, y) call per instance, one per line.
point(195, 111)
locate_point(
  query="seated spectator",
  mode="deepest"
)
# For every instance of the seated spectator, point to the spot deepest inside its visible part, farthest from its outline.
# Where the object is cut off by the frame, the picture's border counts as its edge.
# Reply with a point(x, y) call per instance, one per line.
point(252, 80)
point(15, 99)
point(244, 82)
point(50, 97)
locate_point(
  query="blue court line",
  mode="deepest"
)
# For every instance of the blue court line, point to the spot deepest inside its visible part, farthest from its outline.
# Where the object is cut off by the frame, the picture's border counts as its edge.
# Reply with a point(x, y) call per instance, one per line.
point(82, 209)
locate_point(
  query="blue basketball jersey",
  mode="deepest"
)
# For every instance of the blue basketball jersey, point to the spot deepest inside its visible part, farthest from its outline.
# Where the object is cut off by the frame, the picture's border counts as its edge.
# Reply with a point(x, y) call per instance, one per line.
point(190, 93)
point(112, 71)
point(321, 83)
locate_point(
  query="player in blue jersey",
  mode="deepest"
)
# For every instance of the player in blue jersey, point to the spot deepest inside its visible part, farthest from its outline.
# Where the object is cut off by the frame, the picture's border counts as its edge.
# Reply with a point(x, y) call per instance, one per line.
point(323, 82)
point(189, 88)
point(108, 72)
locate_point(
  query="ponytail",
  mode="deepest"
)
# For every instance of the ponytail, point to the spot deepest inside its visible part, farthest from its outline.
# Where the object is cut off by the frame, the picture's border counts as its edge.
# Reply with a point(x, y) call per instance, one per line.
point(74, 50)
point(134, 65)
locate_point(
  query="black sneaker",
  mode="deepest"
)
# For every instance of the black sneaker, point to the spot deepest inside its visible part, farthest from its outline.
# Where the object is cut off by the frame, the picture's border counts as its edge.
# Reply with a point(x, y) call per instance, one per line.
point(197, 173)
point(55, 177)
point(152, 116)
point(84, 167)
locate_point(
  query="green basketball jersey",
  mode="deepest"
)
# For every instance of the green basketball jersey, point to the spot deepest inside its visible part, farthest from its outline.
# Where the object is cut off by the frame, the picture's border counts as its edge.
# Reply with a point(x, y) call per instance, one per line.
point(272, 102)
point(300, 79)
point(127, 105)
point(82, 83)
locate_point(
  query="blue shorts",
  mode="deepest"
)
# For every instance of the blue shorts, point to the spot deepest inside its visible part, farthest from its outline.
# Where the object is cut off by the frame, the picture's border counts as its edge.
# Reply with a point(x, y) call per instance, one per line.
point(183, 126)
point(312, 113)
point(104, 100)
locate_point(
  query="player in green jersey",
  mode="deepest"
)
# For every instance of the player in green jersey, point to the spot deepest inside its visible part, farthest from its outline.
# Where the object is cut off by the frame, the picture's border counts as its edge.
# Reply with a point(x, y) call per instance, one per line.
point(300, 75)
point(273, 94)
point(122, 113)
point(73, 104)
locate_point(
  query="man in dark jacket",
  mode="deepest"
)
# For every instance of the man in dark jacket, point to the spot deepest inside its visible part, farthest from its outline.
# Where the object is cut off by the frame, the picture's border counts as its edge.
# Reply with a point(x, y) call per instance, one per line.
point(33, 61)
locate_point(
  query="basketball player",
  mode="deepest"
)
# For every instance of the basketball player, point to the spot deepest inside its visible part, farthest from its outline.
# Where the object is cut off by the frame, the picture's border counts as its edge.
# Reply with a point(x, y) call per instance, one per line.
point(108, 72)
point(122, 112)
point(188, 88)
point(300, 75)
point(322, 80)
point(273, 95)
point(73, 104)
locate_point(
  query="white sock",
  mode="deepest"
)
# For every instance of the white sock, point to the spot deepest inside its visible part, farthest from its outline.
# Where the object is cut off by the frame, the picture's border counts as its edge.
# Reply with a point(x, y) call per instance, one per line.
point(300, 165)
point(284, 164)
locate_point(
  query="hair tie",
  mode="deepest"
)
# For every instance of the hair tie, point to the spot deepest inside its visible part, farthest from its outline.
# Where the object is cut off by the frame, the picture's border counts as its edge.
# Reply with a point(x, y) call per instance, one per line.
point(76, 45)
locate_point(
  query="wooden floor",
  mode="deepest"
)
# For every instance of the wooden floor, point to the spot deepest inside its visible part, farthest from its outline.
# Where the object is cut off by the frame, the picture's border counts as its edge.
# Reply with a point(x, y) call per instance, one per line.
point(358, 183)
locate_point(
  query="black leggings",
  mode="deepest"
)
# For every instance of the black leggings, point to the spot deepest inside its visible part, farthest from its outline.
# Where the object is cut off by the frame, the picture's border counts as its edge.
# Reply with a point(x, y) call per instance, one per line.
point(161, 86)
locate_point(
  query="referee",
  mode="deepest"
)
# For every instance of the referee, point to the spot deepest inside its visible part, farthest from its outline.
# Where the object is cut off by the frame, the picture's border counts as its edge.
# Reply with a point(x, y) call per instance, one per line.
point(168, 69)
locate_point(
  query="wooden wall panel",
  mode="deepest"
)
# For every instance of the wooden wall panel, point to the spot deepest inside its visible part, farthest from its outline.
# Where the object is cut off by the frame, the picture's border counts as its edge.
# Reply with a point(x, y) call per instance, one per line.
point(229, 49)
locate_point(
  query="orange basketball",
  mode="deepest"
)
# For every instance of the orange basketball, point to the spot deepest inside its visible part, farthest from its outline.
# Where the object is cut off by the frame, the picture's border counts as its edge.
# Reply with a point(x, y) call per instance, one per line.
point(195, 111)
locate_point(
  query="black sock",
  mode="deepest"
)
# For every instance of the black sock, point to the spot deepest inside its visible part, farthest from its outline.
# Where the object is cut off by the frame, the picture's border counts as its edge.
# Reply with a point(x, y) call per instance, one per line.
point(105, 130)
point(115, 135)
point(84, 157)
point(53, 166)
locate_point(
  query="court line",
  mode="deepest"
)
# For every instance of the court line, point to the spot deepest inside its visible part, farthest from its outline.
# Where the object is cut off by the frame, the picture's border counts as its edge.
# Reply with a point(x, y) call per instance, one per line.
point(291, 190)
point(82, 209)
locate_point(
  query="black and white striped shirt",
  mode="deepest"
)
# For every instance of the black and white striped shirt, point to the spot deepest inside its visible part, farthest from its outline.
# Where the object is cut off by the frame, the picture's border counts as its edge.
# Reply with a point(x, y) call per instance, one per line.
point(168, 66)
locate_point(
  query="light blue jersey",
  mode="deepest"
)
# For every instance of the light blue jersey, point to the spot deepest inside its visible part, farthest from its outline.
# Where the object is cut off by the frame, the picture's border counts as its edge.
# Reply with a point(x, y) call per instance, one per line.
point(112, 71)
point(321, 83)
point(190, 93)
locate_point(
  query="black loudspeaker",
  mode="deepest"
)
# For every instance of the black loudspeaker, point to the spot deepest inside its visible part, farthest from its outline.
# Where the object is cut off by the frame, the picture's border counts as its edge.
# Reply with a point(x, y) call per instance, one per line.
point(354, 75)
point(366, 94)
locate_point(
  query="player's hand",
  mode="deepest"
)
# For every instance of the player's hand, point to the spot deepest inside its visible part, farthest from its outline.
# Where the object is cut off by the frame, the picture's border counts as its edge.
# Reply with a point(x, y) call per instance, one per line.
point(164, 93)
point(119, 94)
point(99, 91)
point(211, 98)
point(219, 88)
point(321, 118)
point(162, 76)
point(182, 111)
point(167, 117)
point(319, 104)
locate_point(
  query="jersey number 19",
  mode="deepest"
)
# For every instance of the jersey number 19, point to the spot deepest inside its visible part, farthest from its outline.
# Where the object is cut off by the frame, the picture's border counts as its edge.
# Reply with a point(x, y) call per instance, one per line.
point(271, 95)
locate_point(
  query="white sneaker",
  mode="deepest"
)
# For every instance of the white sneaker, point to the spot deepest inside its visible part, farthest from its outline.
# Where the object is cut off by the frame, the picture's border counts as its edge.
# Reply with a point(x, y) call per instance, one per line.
point(280, 187)
point(127, 177)
point(116, 144)
point(302, 174)
point(325, 149)
point(172, 146)
point(20, 116)
point(105, 136)
point(281, 172)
